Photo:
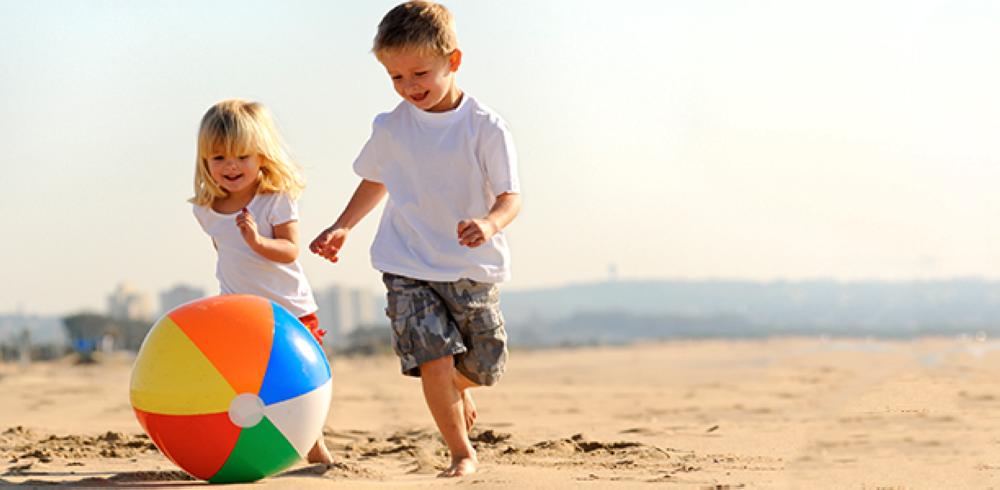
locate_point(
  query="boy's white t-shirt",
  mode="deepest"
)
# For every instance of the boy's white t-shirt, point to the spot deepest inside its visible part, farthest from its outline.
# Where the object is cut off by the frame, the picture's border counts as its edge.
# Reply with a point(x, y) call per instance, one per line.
point(240, 270)
point(439, 168)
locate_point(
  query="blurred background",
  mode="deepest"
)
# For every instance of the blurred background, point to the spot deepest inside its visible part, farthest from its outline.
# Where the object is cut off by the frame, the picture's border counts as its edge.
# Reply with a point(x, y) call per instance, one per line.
point(715, 168)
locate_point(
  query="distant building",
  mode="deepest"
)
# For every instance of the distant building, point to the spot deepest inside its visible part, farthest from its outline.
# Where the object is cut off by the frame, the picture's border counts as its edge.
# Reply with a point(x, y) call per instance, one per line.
point(43, 337)
point(44, 329)
point(332, 313)
point(126, 303)
point(362, 308)
point(179, 295)
point(342, 310)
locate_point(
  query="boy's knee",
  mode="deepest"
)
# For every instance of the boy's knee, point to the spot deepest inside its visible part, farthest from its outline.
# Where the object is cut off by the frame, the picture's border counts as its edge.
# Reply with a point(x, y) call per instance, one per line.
point(463, 382)
point(440, 367)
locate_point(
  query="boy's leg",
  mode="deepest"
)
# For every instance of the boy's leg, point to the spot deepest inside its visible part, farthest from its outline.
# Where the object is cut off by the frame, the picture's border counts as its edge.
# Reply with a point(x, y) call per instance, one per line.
point(447, 407)
point(426, 339)
point(475, 308)
point(464, 385)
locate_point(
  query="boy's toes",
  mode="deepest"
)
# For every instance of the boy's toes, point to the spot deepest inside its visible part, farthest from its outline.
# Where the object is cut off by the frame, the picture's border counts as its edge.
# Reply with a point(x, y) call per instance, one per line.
point(459, 467)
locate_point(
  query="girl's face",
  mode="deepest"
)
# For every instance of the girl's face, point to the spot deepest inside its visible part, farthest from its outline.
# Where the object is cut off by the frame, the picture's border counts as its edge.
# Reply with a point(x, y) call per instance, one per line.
point(235, 173)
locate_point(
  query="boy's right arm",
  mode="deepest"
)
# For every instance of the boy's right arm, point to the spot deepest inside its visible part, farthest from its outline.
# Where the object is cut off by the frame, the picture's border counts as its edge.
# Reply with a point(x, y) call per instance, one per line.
point(329, 242)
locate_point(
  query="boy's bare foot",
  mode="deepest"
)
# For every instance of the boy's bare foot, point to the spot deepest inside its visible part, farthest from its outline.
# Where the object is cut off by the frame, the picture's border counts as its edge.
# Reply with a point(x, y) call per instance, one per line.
point(469, 407)
point(460, 467)
point(319, 453)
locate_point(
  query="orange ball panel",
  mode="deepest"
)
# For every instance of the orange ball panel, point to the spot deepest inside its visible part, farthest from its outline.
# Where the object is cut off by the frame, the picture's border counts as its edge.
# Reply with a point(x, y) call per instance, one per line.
point(215, 324)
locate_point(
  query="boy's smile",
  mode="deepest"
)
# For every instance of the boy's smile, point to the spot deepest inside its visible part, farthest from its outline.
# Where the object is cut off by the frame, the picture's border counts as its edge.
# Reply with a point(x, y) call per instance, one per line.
point(425, 80)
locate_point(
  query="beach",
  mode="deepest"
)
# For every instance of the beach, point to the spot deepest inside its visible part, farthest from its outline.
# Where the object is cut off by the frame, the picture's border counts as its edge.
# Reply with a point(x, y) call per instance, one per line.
point(774, 413)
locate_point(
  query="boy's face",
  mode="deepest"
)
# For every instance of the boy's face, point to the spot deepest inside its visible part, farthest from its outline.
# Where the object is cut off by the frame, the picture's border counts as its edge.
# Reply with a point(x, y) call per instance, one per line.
point(424, 80)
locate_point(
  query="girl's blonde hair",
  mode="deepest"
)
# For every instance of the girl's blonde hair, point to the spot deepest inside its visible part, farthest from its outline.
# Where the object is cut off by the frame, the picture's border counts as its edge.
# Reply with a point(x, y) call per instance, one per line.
point(239, 127)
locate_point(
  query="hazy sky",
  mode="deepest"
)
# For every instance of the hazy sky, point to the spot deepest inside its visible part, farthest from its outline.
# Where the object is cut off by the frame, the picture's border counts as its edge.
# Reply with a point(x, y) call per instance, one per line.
point(758, 140)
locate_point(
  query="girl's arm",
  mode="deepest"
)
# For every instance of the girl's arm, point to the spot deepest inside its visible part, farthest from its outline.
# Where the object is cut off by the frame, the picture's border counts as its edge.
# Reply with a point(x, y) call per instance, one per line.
point(283, 248)
point(329, 242)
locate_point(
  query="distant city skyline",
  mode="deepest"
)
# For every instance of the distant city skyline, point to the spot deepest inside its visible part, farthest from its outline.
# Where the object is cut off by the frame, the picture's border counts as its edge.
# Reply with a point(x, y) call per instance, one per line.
point(618, 311)
point(341, 310)
point(717, 139)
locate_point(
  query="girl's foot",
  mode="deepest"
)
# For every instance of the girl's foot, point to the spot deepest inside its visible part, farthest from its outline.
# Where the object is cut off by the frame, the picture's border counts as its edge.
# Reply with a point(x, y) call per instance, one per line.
point(319, 453)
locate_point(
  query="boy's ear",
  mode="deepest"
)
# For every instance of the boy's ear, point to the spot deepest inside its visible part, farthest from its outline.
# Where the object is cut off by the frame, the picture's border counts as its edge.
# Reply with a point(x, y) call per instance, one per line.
point(455, 60)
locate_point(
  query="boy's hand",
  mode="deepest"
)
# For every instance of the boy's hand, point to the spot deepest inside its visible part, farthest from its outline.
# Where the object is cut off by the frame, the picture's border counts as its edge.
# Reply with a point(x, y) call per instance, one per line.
point(248, 228)
point(474, 232)
point(328, 243)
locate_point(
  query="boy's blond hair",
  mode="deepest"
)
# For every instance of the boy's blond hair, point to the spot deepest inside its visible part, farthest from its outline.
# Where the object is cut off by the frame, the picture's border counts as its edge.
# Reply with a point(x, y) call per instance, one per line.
point(427, 27)
point(238, 127)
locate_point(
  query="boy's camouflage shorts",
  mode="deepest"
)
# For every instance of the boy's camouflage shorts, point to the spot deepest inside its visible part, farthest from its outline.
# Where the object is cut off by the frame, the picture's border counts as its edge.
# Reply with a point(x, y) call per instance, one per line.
point(431, 320)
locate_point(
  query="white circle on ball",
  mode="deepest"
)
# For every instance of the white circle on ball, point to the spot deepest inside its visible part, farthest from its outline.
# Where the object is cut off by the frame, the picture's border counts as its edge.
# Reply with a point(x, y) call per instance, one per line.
point(246, 410)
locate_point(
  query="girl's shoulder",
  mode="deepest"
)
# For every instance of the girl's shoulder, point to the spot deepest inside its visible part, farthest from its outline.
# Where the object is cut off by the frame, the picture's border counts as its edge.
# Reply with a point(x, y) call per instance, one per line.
point(278, 206)
point(200, 210)
point(272, 197)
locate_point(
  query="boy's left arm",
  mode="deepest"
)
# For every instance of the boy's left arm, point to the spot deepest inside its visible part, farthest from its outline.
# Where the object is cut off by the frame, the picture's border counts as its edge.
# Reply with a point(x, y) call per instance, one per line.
point(474, 232)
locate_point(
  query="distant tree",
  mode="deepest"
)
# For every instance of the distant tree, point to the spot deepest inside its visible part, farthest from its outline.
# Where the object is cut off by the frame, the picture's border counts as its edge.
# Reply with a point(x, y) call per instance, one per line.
point(85, 331)
point(131, 333)
point(366, 341)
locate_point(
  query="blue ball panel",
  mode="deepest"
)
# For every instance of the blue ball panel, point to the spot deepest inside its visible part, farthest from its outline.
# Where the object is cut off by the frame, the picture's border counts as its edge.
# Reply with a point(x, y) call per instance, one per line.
point(297, 364)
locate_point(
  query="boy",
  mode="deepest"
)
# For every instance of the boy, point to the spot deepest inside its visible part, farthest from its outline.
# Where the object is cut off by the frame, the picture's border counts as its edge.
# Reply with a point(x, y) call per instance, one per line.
point(448, 166)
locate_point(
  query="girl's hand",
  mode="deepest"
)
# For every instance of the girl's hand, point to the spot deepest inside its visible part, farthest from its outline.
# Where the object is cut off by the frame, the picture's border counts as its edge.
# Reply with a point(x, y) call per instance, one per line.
point(328, 243)
point(474, 232)
point(248, 228)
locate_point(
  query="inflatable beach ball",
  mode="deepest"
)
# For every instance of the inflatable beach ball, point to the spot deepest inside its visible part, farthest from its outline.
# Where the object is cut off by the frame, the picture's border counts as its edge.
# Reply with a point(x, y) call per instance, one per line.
point(231, 388)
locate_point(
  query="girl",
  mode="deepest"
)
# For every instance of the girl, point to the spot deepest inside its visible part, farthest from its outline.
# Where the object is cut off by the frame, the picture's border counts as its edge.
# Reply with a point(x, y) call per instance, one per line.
point(245, 187)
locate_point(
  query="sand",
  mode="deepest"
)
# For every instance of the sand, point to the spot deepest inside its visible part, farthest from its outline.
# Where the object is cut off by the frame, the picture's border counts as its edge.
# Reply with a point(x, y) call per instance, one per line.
point(782, 413)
